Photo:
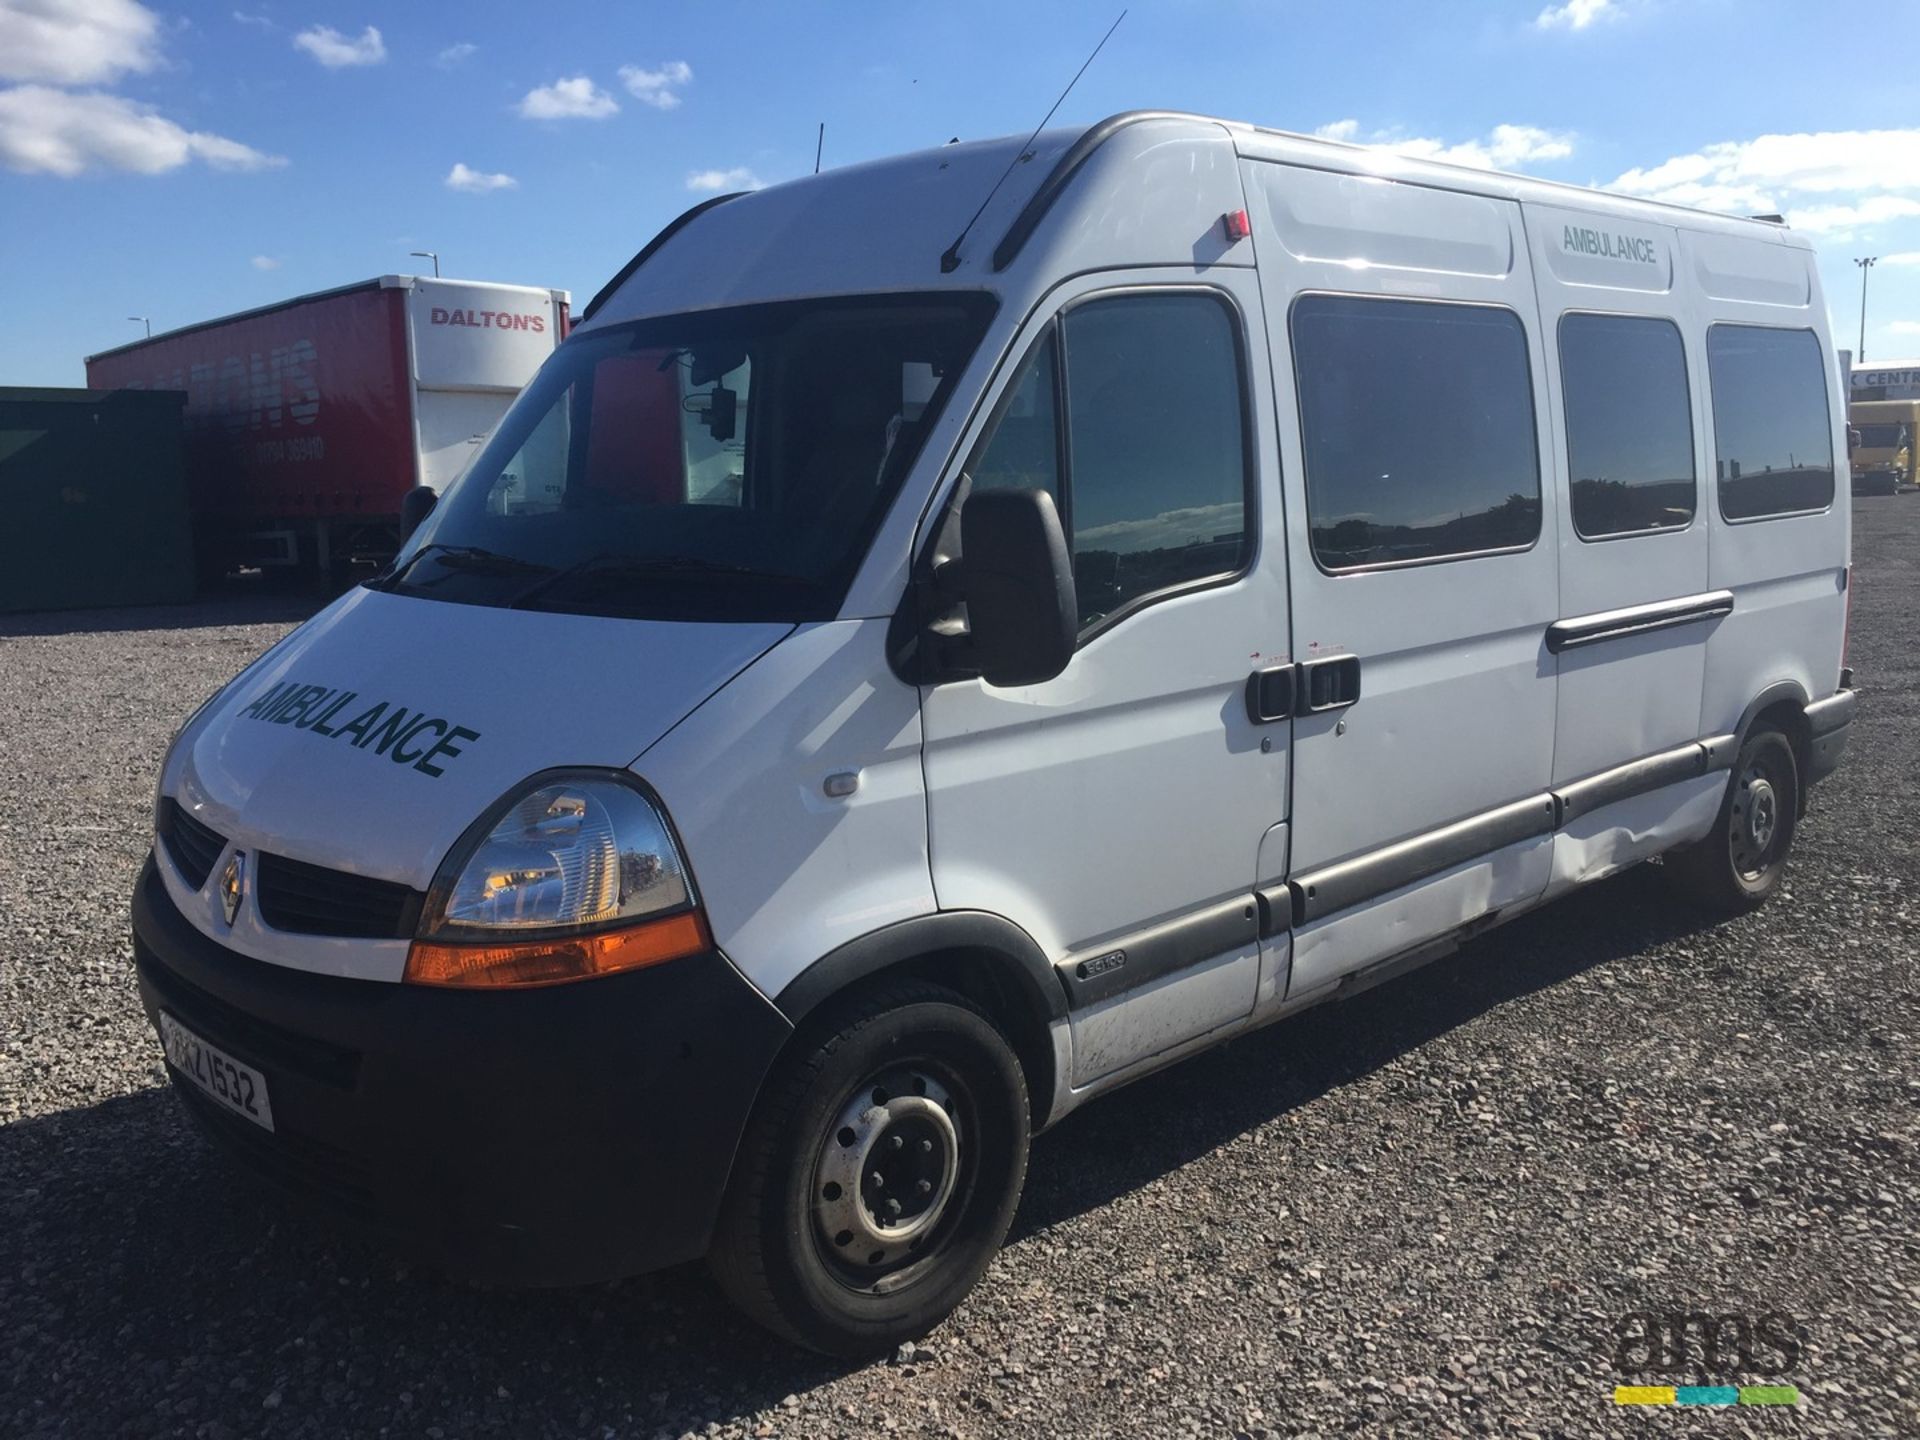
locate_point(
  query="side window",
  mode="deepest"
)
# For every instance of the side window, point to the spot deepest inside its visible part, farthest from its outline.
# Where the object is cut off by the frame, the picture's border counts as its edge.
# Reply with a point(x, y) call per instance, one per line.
point(1157, 447)
point(1629, 424)
point(1770, 423)
point(1418, 425)
point(1155, 490)
point(1023, 452)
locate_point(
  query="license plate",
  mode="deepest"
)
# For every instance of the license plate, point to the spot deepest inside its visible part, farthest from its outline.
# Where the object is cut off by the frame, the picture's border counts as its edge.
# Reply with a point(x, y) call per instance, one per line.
point(239, 1088)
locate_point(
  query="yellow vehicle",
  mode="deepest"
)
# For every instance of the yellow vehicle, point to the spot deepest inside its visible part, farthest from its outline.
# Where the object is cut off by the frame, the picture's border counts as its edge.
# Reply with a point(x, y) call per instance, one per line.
point(1885, 455)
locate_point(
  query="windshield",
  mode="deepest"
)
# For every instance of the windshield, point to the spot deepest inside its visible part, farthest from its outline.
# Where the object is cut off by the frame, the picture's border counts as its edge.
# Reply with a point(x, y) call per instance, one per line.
point(731, 464)
point(1882, 437)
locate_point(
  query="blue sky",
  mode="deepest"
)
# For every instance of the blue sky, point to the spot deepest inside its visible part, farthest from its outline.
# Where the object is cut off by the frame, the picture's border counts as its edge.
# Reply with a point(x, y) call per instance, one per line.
point(186, 160)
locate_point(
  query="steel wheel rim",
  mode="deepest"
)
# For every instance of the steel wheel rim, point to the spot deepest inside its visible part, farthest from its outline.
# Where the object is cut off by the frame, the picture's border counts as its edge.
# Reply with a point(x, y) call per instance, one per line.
point(887, 1177)
point(1756, 824)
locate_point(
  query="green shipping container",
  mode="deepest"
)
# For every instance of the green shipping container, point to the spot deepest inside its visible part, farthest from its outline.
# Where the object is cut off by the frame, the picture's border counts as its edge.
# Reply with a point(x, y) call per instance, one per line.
point(93, 499)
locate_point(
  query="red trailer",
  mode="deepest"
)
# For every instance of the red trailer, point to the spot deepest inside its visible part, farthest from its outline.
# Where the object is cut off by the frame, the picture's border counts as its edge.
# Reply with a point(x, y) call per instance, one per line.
point(308, 421)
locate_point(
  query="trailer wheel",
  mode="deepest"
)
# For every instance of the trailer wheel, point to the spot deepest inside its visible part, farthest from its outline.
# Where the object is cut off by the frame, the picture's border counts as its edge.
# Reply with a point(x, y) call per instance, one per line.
point(1743, 859)
point(878, 1175)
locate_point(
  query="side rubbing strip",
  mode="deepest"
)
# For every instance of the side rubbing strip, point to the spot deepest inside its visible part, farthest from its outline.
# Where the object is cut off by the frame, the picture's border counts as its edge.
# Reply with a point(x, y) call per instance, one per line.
point(1334, 887)
point(1607, 625)
point(1623, 782)
point(1129, 961)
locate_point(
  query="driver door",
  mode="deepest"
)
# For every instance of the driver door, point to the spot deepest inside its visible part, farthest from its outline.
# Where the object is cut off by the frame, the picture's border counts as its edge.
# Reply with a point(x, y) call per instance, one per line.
point(1116, 811)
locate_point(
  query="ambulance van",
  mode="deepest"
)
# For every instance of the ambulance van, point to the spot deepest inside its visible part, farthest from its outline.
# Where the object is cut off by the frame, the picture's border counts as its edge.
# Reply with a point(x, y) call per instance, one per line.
point(946, 637)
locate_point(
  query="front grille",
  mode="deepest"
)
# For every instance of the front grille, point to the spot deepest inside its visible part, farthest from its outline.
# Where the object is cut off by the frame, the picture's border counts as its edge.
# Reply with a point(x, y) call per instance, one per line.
point(192, 845)
point(299, 1162)
point(314, 900)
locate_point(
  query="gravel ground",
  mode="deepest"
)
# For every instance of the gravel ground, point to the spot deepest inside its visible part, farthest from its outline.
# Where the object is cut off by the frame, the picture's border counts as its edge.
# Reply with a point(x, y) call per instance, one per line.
point(1421, 1212)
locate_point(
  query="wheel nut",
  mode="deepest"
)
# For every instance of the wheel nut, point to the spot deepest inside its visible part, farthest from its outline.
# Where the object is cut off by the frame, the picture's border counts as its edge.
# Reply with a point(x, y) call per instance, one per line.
point(923, 1187)
point(895, 1142)
point(893, 1209)
point(877, 1180)
point(926, 1147)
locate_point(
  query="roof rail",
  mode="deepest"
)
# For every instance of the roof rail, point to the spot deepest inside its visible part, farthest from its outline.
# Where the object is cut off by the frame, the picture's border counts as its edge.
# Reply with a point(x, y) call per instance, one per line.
point(672, 228)
point(1068, 165)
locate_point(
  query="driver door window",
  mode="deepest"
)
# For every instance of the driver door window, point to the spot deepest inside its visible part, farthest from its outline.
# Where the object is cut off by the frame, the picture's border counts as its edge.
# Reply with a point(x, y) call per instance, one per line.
point(1130, 412)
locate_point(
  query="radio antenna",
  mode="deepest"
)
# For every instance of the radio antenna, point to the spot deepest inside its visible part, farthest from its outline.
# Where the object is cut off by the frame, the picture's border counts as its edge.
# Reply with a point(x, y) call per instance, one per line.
point(950, 260)
point(818, 146)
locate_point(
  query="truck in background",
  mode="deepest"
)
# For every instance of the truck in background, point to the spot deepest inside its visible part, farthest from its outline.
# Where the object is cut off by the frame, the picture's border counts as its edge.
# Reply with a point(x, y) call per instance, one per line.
point(308, 421)
point(1886, 459)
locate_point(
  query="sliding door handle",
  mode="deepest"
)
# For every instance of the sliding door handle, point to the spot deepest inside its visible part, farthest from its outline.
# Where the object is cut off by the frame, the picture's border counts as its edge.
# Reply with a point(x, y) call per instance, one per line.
point(1332, 683)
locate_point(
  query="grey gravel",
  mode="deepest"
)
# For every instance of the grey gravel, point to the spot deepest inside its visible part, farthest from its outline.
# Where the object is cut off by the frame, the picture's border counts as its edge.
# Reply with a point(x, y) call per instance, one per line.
point(1421, 1212)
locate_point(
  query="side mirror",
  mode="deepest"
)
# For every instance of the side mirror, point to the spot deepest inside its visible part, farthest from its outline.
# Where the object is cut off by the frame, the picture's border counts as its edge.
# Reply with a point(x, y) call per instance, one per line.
point(415, 506)
point(1017, 578)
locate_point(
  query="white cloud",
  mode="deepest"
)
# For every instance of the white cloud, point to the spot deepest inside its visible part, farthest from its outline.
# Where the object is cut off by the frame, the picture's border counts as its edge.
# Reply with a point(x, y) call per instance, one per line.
point(59, 132)
point(738, 178)
point(1506, 147)
point(1576, 14)
point(259, 22)
point(334, 50)
point(1830, 182)
point(265, 262)
point(76, 42)
point(658, 88)
point(477, 182)
point(577, 98)
point(455, 54)
point(1905, 257)
point(1902, 327)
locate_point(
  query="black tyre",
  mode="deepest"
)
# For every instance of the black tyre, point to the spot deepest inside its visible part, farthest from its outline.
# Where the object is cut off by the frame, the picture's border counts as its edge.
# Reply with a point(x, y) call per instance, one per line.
point(878, 1174)
point(1743, 859)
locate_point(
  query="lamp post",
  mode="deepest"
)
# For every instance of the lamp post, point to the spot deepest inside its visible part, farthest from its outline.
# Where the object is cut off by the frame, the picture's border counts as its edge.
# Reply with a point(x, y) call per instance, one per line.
point(433, 255)
point(1865, 263)
point(143, 320)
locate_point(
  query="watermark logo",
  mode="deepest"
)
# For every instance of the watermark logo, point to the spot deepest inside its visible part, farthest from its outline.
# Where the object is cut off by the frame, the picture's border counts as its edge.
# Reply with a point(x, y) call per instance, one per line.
point(1721, 1348)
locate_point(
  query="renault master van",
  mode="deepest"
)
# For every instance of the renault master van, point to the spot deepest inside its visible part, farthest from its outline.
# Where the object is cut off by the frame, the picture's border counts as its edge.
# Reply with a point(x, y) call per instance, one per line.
point(895, 676)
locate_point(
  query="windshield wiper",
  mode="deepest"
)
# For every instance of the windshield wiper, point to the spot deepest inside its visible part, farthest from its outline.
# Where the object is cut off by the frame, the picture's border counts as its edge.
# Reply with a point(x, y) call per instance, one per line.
point(464, 559)
point(637, 568)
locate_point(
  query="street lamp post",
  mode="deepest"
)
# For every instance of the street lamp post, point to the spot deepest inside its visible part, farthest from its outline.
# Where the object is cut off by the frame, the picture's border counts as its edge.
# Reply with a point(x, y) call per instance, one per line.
point(143, 320)
point(1865, 263)
point(433, 255)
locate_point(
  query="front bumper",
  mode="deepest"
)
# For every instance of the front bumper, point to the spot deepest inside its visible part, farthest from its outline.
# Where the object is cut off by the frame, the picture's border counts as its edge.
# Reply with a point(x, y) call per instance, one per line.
point(551, 1136)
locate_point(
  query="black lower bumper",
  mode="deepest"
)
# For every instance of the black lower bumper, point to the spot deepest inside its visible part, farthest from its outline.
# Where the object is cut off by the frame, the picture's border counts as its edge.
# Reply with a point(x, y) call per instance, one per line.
point(550, 1136)
point(1829, 722)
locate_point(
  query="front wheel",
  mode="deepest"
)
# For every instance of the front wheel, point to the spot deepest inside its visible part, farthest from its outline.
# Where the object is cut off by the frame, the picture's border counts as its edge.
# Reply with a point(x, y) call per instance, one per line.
point(878, 1175)
point(1743, 859)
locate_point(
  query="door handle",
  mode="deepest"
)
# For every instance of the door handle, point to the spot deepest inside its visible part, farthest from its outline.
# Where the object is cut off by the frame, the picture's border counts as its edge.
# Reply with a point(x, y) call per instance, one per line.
point(1270, 694)
point(1282, 691)
point(1329, 684)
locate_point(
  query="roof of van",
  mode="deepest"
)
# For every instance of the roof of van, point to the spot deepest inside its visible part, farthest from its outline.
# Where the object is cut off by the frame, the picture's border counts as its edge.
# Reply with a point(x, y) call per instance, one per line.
point(959, 215)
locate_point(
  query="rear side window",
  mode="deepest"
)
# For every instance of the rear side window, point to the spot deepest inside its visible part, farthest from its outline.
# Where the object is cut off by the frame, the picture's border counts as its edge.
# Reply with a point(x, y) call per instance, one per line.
point(1148, 391)
point(1629, 424)
point(1417, 420)
point(1771, 429)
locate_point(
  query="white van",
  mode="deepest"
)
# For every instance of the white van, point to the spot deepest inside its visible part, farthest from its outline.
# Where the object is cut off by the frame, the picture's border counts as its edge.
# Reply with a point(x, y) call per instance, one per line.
point(890, 679)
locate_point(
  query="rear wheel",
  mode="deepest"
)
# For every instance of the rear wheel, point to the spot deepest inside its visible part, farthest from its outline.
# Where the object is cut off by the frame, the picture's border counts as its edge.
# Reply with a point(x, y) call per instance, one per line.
point(878, 1175)
point(1743, 860)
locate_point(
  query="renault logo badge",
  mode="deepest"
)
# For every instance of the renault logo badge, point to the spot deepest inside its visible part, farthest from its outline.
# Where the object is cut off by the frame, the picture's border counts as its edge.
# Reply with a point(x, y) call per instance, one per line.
point(232, 879)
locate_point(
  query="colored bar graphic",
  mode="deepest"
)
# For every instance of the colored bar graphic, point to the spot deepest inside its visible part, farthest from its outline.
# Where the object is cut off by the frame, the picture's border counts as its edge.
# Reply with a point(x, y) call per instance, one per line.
point(1706, 1395)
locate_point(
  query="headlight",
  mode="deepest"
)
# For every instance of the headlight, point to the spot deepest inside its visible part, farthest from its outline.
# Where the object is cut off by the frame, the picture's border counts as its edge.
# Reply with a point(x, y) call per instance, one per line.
point(577, 875)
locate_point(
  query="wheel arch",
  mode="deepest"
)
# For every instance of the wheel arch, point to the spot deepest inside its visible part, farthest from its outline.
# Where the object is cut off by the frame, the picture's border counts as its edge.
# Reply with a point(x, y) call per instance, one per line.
point(1783, 705)
point(983, 956)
